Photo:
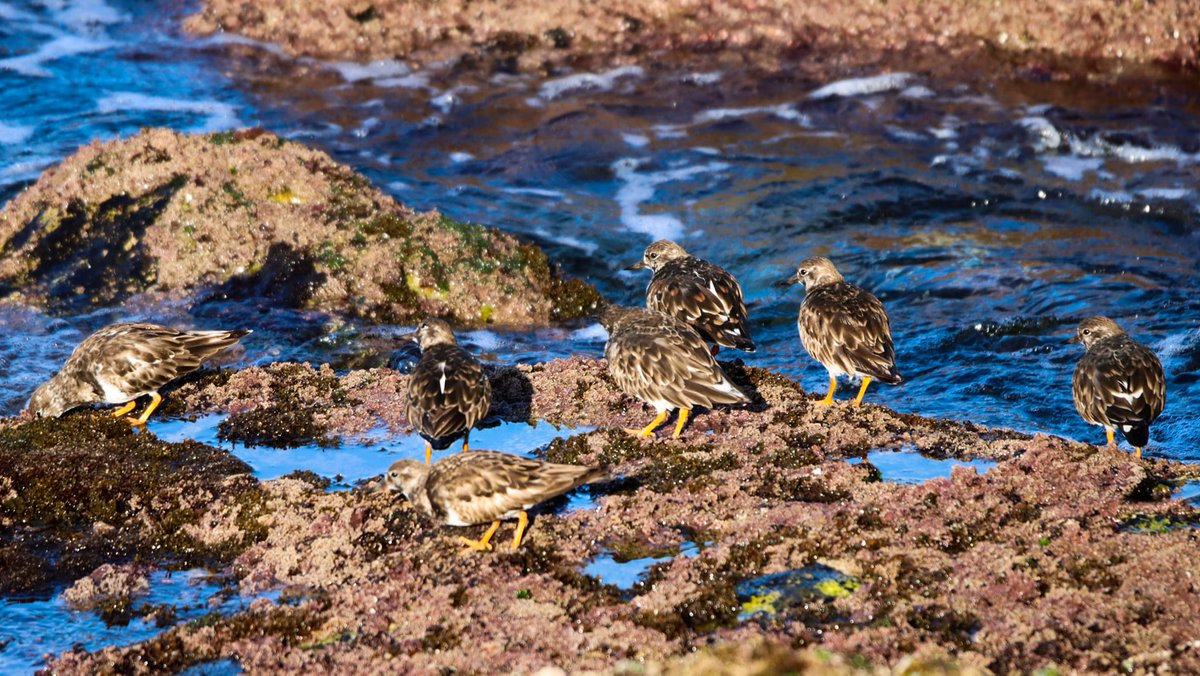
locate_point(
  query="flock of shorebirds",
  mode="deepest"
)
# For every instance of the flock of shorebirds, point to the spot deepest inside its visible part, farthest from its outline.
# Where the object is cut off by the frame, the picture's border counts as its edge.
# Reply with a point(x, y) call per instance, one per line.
point(659, 354)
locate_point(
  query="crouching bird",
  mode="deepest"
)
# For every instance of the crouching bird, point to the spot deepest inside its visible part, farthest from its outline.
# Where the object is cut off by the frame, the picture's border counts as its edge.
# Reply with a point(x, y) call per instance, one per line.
point(477, 487)
point(122, 362)
point(1118, 383)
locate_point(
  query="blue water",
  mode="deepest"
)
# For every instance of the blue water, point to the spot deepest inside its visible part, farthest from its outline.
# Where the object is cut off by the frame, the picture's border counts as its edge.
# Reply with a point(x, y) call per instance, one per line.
point(989, 218)
point(908, 466)
point(30, 629)
point(625, 574)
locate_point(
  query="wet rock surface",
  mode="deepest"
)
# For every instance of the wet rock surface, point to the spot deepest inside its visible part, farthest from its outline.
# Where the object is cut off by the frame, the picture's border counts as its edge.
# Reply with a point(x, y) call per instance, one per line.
point(1029, 565)
point(249, 216)
point(547, 36)
point(87, 491)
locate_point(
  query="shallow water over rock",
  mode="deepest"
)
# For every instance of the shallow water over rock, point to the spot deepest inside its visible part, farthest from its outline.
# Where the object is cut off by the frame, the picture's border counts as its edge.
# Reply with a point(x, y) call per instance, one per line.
point(909, 466)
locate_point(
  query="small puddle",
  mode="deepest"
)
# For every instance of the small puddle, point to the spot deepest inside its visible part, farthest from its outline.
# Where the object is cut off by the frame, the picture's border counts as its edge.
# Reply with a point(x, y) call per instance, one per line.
point(770, 595)
point(222, 667)
point(625, 574)
point(909, 466)
point(1158, 523)
point(1188, 491)
point(359, 458)
point(31, 629)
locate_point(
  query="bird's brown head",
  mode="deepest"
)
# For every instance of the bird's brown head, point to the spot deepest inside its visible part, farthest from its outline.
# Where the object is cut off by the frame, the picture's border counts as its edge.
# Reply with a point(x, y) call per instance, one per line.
point(51, 399)
point(814, 272)
point(659, 254)
point(406, 476)
point(1094, 329)
point(432, 332)
point(612, 315)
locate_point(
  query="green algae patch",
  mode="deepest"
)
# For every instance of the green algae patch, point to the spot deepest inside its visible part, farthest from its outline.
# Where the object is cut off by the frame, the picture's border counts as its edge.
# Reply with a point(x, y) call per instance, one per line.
point(801, 591)
point(94, 490)
point(215, 214)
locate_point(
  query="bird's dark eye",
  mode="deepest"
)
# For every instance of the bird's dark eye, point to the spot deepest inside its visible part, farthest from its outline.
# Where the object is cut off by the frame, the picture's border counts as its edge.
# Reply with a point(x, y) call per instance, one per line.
point(1087, 332)
point(654, 255)
point(393, 474)
point(803, 272)
point(38, 413)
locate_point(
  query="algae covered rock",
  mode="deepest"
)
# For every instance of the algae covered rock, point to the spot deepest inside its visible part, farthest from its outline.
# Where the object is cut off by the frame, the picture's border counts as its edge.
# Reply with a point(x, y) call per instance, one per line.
point(248, 215)
point(87, 490)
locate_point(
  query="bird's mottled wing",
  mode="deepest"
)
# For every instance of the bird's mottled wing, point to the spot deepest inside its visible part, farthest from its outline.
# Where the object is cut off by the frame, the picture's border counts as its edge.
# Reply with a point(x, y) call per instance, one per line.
point(448, 393)
point(705, 296)
point(660, 359)
point(481, 486)
point(137, 359)
point(1119, 383)
point(848, 326)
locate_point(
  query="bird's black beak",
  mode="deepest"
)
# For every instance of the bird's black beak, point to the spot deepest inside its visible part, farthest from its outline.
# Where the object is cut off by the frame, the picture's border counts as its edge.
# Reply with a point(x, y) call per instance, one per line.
point(1074, 339)
point(637, 266)
point(794, 279)
point(411, 335)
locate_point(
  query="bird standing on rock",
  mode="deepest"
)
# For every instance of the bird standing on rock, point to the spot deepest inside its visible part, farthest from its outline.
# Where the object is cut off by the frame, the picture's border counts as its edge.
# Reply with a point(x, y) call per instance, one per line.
point(1119, 383)
point(475, 487)
point(448, 391)
point(122, 362)
point(844, 327)
point(698, 293)
point(665, 363)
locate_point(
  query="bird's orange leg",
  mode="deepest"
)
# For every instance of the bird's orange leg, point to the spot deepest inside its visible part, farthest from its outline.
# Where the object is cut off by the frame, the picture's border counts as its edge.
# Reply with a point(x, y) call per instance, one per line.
point(683, 416)
point(129, 405)
point(862, 390)
point(482, 544)
point(715, 349)
point(649, 429)
point(155, 400)
point(466, 447)
point(428, 452)
point(1137, 452)
point(522, 522)
point(1109, 431)
point(829, 396)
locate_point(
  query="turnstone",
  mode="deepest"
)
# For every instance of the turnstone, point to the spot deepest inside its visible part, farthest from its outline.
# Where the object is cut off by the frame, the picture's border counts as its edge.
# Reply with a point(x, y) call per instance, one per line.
point(475, 487)
point(122, 362)
point(844, 327)
point(447, 392)
point(696, 292)
point(665, 363)
point(1119, 383)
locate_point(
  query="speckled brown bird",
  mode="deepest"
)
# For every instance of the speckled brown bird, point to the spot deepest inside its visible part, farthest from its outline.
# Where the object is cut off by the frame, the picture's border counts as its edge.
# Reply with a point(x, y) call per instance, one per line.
point(844, 327)
point(122, 362)
point(665, 363)
point(475, 487)
point(1119, 383)
point(697, 292)
point(448, 392)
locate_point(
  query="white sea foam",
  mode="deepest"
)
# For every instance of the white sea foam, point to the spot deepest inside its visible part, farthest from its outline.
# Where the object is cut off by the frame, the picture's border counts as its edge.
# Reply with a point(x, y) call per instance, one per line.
point(917, 92)
point(484, 340)
point(372, 70)
point(536, 192)
point(860, 86)
point(459, 156)
point(1110, 196)
point(11, 134)
point(1165, 193)
point(33, 65)
point(635, 140)
point(1071, 167)
point(592, 333)
point(1046, 136)
point(220, 115)
point(1129, 152)
point(552, 89)
point(566, 240)
point(784, 111)
point(709, 78)
point(640, 187)
point(10, 13)
point(84, 14)
point(668, 131)
point(410, 81)
point(902, 134)
point(224, 38)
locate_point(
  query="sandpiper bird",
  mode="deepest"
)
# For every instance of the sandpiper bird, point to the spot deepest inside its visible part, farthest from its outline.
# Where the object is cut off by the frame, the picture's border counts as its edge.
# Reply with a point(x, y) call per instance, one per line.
point(665, 363)
point(475, 487)
point(1119, 383)
point(844, 327)
point(698, 293)
point(122, 362)
point(447, 392)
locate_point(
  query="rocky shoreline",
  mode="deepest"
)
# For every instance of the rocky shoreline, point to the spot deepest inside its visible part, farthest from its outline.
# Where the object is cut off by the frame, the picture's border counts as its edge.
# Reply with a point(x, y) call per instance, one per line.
point(822, 37)
point(1063, 555)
